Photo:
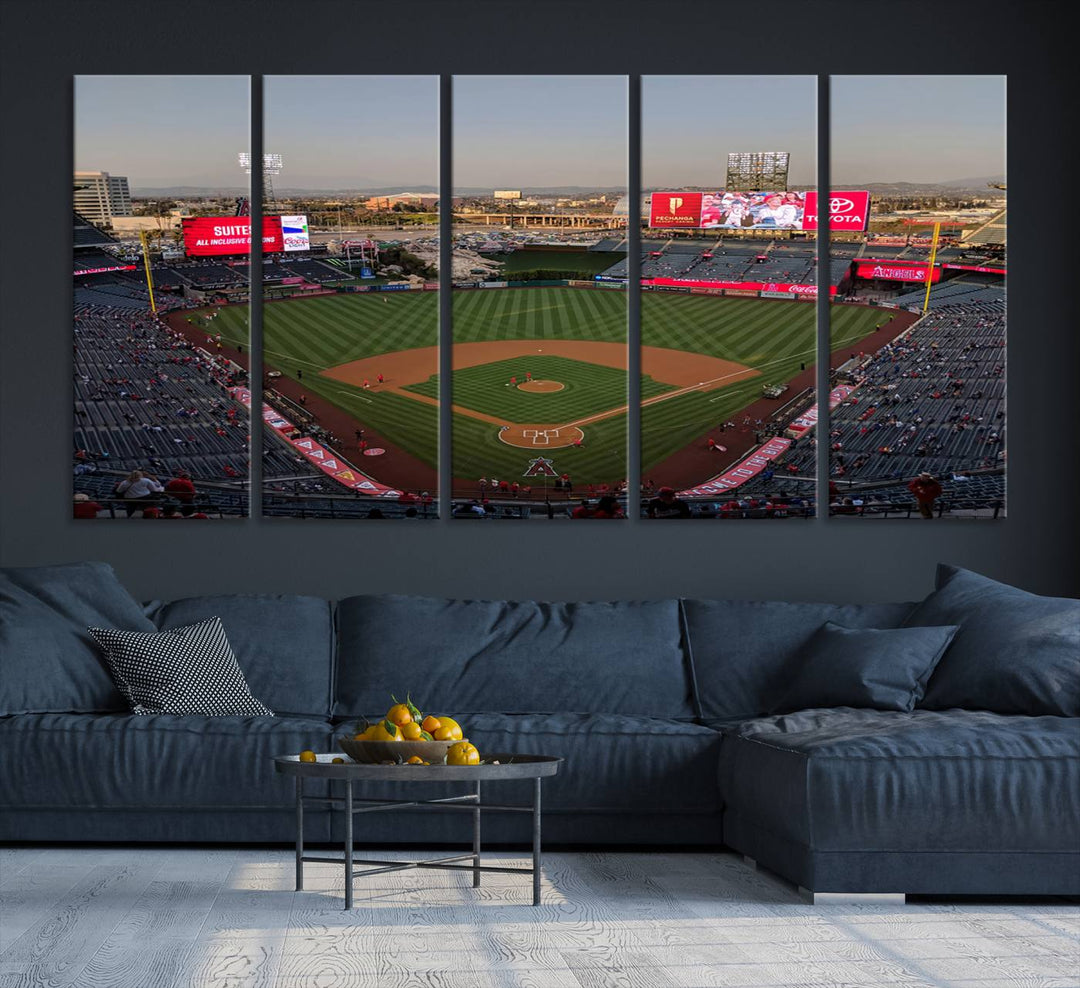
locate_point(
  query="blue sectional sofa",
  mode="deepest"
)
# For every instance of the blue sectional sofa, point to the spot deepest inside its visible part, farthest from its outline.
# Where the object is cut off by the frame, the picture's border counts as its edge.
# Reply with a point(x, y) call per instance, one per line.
point(663, 710)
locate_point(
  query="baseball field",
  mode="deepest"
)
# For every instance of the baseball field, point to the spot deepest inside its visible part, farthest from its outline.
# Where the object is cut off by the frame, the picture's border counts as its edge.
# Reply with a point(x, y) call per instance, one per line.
point(540, 371)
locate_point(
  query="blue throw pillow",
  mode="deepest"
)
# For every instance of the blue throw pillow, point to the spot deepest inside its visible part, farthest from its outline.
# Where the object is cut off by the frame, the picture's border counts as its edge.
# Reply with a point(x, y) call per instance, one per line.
point(1015, 652)
point(883, 669)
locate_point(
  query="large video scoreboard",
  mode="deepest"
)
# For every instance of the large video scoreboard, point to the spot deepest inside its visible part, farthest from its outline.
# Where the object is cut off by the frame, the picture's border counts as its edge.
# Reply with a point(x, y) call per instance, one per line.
point(218, 236)
point(769, 210)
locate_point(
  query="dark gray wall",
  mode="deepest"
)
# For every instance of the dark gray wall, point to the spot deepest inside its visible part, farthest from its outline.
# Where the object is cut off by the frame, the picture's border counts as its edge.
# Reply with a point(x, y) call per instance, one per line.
point(45, 44)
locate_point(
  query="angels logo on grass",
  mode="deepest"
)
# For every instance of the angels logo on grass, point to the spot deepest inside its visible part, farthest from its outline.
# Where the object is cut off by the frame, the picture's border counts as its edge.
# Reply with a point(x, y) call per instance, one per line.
point(540, 467)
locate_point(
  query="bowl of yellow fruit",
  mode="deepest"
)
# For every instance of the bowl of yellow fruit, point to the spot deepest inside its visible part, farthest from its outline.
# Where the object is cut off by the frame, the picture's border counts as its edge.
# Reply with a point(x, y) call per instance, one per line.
point(406, 736)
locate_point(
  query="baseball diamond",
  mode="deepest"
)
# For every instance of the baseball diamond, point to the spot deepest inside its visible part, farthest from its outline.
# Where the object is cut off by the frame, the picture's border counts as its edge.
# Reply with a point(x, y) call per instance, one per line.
point(542, 369)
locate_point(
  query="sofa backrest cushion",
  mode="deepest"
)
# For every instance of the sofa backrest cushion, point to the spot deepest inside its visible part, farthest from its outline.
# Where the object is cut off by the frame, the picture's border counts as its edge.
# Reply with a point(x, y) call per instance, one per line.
point(476, 656)
point(1015, 652)
point(742, 651)
point(284, 644)
point(48, 661)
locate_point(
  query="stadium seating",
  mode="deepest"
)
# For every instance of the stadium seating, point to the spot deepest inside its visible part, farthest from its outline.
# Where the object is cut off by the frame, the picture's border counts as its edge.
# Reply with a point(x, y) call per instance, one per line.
point(145, 399)
point(933, 400)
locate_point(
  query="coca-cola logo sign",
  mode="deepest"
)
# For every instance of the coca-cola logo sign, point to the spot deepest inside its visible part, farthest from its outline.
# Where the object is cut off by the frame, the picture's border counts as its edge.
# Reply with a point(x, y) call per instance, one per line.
point(802, 289)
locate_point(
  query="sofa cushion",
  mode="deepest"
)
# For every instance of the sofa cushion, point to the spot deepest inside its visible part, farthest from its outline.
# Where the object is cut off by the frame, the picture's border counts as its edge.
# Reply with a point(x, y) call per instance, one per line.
point(864, 667)
point(117, 761)
point(742, 651)
point(864, 780)
point(1015, 652)
point(475, 656)
point(48, 661)
point(284, 644)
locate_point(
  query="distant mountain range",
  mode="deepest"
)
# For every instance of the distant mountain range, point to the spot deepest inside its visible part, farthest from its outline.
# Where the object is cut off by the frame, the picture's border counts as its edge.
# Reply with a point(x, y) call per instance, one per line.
point(976, 184)
point(190, 191)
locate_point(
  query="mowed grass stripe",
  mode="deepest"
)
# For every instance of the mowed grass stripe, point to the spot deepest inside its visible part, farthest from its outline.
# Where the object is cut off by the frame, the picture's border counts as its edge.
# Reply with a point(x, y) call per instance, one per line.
point(776, 337)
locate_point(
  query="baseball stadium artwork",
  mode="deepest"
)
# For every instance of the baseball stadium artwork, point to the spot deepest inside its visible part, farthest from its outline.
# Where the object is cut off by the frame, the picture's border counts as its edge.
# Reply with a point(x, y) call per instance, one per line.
point(351, 396)
point(351, 321)
point(917, 427)
point(539, 389)
point(159, 432)
point(727, 270)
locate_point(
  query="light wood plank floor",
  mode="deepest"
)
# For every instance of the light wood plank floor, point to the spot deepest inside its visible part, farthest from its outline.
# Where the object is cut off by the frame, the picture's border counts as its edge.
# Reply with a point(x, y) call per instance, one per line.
point(195, 918)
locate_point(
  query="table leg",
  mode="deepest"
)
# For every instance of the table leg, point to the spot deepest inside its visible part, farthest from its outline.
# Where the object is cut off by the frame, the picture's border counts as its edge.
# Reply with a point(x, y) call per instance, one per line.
point(536, 841)
point(476, 840)
point(299, 833)
point(348, 844)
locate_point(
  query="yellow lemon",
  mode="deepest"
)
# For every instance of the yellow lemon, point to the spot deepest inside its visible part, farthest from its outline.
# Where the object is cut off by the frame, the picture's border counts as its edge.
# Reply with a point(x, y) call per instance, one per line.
point(399, 714)
point(431, 724)
point(416, 760)
point(385, 731)
point(411, 731)
point(308, 756)
point(462, 753)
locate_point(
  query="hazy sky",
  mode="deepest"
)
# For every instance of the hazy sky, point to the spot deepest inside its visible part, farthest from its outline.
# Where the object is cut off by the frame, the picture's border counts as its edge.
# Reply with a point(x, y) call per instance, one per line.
point(917, 128)
point(690, 123)
point(528, 131)
point(518, 131)
point(162, 130)
point(347, 132)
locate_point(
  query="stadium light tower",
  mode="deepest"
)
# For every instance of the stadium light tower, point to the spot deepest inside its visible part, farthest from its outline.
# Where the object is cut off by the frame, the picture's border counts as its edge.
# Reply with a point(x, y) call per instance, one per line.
point(272, 165)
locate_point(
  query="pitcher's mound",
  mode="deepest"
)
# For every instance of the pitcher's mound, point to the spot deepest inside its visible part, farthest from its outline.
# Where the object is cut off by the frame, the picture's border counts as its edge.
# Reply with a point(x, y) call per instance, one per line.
point(541, 387)
point(541, 436)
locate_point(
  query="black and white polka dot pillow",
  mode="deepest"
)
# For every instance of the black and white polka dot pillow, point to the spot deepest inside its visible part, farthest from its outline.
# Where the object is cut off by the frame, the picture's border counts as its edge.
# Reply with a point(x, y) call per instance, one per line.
point(190, 670)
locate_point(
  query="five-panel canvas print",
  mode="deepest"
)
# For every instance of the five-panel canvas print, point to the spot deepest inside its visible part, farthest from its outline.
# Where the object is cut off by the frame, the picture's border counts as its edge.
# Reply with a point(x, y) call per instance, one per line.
point(723, 253)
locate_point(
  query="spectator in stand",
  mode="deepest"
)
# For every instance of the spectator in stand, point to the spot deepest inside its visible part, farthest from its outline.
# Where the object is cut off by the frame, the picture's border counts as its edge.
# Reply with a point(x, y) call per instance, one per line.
point(84, 507)
point(667, 505)
point(608, 507)
point(926, 490)
point(582, 510)
point(181, 489)
point(139, 487)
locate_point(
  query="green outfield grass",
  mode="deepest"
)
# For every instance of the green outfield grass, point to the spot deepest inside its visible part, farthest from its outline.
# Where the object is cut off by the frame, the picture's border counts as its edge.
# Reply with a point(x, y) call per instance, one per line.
point(588, 262)
point(313, 334)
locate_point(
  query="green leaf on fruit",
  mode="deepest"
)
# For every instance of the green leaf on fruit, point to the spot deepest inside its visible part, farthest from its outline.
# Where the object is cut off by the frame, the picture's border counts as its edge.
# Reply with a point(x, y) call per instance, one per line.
point(425, 736)
point(390, 727)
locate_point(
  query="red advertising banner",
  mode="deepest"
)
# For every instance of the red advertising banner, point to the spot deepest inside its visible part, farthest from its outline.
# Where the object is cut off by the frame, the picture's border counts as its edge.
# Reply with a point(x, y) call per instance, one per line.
point(805, 422)
point(848, 210)
point(894, 270)
point(743, 471)
point(951, 267)
point(675, 209)
point(215, 236)
point(325, 459)
point(120, 267)
point(775, 288)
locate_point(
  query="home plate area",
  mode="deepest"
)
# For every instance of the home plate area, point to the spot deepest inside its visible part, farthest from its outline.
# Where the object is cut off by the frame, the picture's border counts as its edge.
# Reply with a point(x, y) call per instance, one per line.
point(541, 436)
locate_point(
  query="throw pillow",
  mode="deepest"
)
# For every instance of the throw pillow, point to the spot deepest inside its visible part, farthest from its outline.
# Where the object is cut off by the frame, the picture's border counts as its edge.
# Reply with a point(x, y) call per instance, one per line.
point(189, 670)
point(883, 669)
point(1015, 652)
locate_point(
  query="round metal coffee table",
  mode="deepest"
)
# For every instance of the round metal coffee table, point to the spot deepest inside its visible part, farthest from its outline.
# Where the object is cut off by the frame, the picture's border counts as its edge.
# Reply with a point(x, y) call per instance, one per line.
point(535, 767)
